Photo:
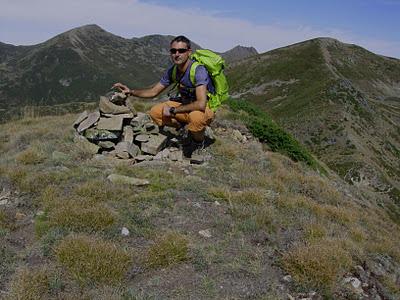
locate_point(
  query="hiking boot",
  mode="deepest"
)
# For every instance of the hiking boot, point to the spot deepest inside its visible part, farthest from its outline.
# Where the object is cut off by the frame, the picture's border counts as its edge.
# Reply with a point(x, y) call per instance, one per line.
point(209, 136)
point(189, 148)
point(184, 136)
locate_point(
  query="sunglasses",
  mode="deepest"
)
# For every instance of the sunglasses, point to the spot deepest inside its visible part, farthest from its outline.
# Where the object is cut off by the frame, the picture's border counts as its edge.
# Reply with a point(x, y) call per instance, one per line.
point(180, 50)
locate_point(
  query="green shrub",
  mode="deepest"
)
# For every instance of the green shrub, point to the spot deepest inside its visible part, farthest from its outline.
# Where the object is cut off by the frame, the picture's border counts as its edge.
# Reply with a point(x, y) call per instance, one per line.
point(263, 127)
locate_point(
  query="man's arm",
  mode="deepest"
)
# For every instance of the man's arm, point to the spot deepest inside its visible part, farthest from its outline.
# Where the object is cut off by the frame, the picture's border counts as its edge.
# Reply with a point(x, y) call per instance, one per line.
point(152, 92)
point(200, 103)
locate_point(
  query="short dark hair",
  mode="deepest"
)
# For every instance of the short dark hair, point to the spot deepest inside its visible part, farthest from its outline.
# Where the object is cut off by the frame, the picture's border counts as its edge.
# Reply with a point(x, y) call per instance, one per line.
point(183, 39)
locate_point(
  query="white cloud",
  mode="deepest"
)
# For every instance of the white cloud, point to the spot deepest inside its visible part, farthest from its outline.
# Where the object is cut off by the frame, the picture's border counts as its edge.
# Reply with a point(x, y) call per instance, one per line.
point(129, 18)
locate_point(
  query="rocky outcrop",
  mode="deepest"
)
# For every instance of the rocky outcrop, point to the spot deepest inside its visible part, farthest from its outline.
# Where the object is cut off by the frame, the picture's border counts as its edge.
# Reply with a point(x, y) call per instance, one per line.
point(117, 130)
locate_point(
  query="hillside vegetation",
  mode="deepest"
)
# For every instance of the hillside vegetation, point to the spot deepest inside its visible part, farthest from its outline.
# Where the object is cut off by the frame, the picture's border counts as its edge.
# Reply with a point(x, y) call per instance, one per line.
point(232, 228)
point(340, 100)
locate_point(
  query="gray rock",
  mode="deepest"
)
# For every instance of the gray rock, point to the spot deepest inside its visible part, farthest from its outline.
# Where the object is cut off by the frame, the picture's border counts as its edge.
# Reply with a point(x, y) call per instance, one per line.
point(91, 119)
point(81, 117)
point(113, 123)
point(118, 98)
point(107, 107)
point(140, 120)
point(287, 278)
point(125, 231)
point(86, 146)
point(155, 144)
point(94, 134)
point(143, 157)
point(164, 154)
point(175, 155)
point(197, 159)
point(124, 116)
point(125, 148)
point(106, 144)
point(205, 233)
point(142, 138)
point(116, 178)
point(128, 134)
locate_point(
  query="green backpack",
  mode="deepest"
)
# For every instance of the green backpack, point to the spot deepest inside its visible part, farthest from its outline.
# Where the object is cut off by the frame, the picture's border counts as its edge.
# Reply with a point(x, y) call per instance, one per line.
point(215, 65)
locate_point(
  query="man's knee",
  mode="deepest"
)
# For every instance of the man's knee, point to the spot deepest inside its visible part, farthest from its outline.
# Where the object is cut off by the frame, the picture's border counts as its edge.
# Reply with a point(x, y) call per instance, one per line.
point(197, 121)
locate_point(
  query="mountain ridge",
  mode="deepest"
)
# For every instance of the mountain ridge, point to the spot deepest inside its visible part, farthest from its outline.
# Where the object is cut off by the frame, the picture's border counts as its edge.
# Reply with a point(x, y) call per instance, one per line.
point(54, 71)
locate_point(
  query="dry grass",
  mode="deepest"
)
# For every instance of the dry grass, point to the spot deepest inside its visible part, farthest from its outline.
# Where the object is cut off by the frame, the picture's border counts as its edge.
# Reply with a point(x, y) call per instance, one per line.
point(91, 259)
point(319, 264)
point(38, 283)
point(30, 156)
point(101, 191)
point(78, 215)
point(168, 249)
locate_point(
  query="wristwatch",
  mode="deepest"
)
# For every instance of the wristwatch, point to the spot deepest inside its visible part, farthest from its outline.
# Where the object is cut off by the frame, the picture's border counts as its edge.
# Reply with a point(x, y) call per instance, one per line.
point(172, 110)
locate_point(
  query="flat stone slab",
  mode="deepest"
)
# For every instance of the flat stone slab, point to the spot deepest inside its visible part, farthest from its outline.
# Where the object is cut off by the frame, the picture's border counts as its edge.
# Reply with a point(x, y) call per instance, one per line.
point(155, 144)
point(106, 144)
point(125, 116)
point(107, 107)
point(80, 118)
point(142, 138)
point(116, 178)
point(91, 119)
point(113, 123)
point(142, 157)
point(128, 134)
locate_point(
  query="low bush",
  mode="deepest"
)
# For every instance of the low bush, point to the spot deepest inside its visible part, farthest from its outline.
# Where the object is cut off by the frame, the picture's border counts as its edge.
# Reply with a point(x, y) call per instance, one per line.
point(263, 127)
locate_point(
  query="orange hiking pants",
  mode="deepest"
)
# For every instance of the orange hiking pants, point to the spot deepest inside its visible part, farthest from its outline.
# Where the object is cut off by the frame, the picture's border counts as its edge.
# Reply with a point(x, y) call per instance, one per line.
point(196, 120)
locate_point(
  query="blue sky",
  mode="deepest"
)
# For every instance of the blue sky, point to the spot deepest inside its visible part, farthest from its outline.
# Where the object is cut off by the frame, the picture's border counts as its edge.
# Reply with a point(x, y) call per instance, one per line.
point(218, 25)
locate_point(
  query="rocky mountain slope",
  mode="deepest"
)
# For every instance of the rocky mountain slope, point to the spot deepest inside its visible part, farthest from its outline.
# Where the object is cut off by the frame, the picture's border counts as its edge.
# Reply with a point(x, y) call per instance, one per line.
point(81, 64)
point(248, 224)
point(341, 100)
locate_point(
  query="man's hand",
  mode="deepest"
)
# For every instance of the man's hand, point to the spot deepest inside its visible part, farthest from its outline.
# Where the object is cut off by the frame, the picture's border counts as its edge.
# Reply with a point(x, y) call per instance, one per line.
point(123, 88)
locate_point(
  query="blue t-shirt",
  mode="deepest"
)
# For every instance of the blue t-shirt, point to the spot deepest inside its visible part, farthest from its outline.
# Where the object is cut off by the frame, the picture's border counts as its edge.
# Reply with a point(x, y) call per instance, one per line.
point(186, 88)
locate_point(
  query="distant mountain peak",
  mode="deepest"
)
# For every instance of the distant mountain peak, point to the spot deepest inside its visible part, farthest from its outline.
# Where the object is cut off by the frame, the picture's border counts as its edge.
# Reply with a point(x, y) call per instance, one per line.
point(238, 53)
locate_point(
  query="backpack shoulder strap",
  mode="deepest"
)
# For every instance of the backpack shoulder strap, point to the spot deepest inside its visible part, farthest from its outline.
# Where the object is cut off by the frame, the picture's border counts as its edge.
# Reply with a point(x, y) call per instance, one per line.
point(192, 74)
point(173, 75)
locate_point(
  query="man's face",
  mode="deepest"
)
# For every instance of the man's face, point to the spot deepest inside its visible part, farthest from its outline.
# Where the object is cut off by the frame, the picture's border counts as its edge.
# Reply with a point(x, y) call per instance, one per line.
point(179, 53)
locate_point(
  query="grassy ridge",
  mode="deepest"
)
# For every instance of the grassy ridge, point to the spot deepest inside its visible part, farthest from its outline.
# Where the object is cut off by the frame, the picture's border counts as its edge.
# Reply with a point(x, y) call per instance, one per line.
point(267, 215)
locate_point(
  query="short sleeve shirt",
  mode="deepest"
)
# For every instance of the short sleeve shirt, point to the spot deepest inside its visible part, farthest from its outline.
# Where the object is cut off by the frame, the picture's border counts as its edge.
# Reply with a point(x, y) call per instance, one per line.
point(186, 88)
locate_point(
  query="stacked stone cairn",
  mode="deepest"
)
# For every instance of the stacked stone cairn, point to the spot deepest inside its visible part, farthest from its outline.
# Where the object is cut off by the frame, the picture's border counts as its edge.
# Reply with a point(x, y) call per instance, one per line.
point(117, 130)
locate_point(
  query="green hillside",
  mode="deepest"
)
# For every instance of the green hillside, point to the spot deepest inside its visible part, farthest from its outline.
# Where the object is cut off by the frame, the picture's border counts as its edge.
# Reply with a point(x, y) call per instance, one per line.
point(338, 99)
